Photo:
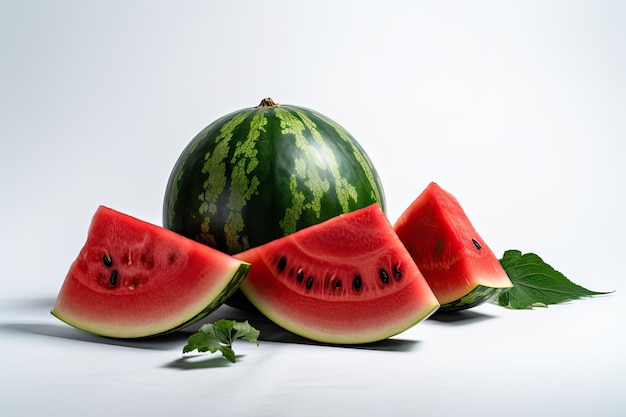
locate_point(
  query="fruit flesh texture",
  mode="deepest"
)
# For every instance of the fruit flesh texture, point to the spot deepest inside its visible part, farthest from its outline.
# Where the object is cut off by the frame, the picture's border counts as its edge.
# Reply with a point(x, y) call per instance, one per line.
point(449, 252)
point(135, 279)
point(357, 244)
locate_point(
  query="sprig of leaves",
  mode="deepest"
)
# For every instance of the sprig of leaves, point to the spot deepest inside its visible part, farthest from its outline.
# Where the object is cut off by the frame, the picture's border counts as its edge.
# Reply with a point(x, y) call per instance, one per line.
point(219, 336)
point(535, 283)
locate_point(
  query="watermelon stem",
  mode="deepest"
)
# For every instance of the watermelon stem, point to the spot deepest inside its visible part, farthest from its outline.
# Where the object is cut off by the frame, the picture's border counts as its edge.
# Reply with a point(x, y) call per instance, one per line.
point(267, 103)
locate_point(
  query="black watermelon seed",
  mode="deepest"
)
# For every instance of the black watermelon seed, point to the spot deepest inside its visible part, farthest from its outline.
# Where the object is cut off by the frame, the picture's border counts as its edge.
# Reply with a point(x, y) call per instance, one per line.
point(397, 273)
point(337, 284)
point(476, 244)
point(282, 264)
point(357, 282)
point(173, 257)
point(106, 259)
point(300, 276)
point(309, 283)
point(384, 276)
point(113, 278)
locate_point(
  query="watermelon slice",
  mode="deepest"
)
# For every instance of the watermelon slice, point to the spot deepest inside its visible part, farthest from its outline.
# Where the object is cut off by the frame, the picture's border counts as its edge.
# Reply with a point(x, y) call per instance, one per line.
point(347, 280)
point(135, 279)
point(456, 262)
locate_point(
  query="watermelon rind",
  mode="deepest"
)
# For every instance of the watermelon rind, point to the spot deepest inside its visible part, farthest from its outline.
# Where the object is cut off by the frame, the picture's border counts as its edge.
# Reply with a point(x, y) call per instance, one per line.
point(479, 295)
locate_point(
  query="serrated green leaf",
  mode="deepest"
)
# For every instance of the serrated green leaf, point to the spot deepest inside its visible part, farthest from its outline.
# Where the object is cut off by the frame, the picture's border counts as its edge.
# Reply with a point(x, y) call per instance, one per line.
point(535, 283)
point(245, 331)
point(219, 336)
point(204, 340)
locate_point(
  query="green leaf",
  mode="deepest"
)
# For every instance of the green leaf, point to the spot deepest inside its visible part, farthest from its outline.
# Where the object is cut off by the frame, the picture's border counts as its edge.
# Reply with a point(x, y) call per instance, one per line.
point(222, 329)
point(204, 340)
point(228, 353)
point(535, 283)
point(219, 336)
point(245, 331)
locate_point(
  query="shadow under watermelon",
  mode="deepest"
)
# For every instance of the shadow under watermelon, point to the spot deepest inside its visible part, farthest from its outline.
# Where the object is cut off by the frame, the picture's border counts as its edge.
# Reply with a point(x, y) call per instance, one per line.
point(459, 317)
point(271, 332)
point(162, 342)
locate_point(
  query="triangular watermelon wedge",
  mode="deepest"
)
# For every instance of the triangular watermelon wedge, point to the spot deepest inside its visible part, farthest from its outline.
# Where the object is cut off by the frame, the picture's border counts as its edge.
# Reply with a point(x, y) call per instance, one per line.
point(135, 279)
point(458, 265)
point(347, 280)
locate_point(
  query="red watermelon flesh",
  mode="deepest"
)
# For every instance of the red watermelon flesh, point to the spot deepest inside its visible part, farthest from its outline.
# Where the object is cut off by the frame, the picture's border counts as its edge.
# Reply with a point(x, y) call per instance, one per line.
point(136, 279)
point(457, 263)
point(347, 280)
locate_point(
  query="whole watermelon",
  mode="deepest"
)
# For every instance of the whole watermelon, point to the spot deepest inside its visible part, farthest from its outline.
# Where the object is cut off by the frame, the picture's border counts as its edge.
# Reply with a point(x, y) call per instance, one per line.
point(261, 173)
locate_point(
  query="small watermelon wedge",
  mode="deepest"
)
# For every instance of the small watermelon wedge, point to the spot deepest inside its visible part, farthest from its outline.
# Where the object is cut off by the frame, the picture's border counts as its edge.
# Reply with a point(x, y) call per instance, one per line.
point(347, 280)
point(458, 265)
point(134, 279)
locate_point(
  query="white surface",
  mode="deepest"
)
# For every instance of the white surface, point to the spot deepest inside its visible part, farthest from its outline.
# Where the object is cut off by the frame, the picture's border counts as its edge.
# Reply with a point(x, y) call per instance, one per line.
point(517, 108)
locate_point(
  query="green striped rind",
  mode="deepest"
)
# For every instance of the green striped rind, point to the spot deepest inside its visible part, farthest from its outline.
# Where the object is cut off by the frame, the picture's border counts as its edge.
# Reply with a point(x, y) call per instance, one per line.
point(477, 296)
point(262, 173)
point(227, 292)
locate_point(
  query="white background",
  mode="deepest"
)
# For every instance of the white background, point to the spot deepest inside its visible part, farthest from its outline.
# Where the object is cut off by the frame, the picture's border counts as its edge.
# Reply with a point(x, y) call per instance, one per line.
point(516, 107)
